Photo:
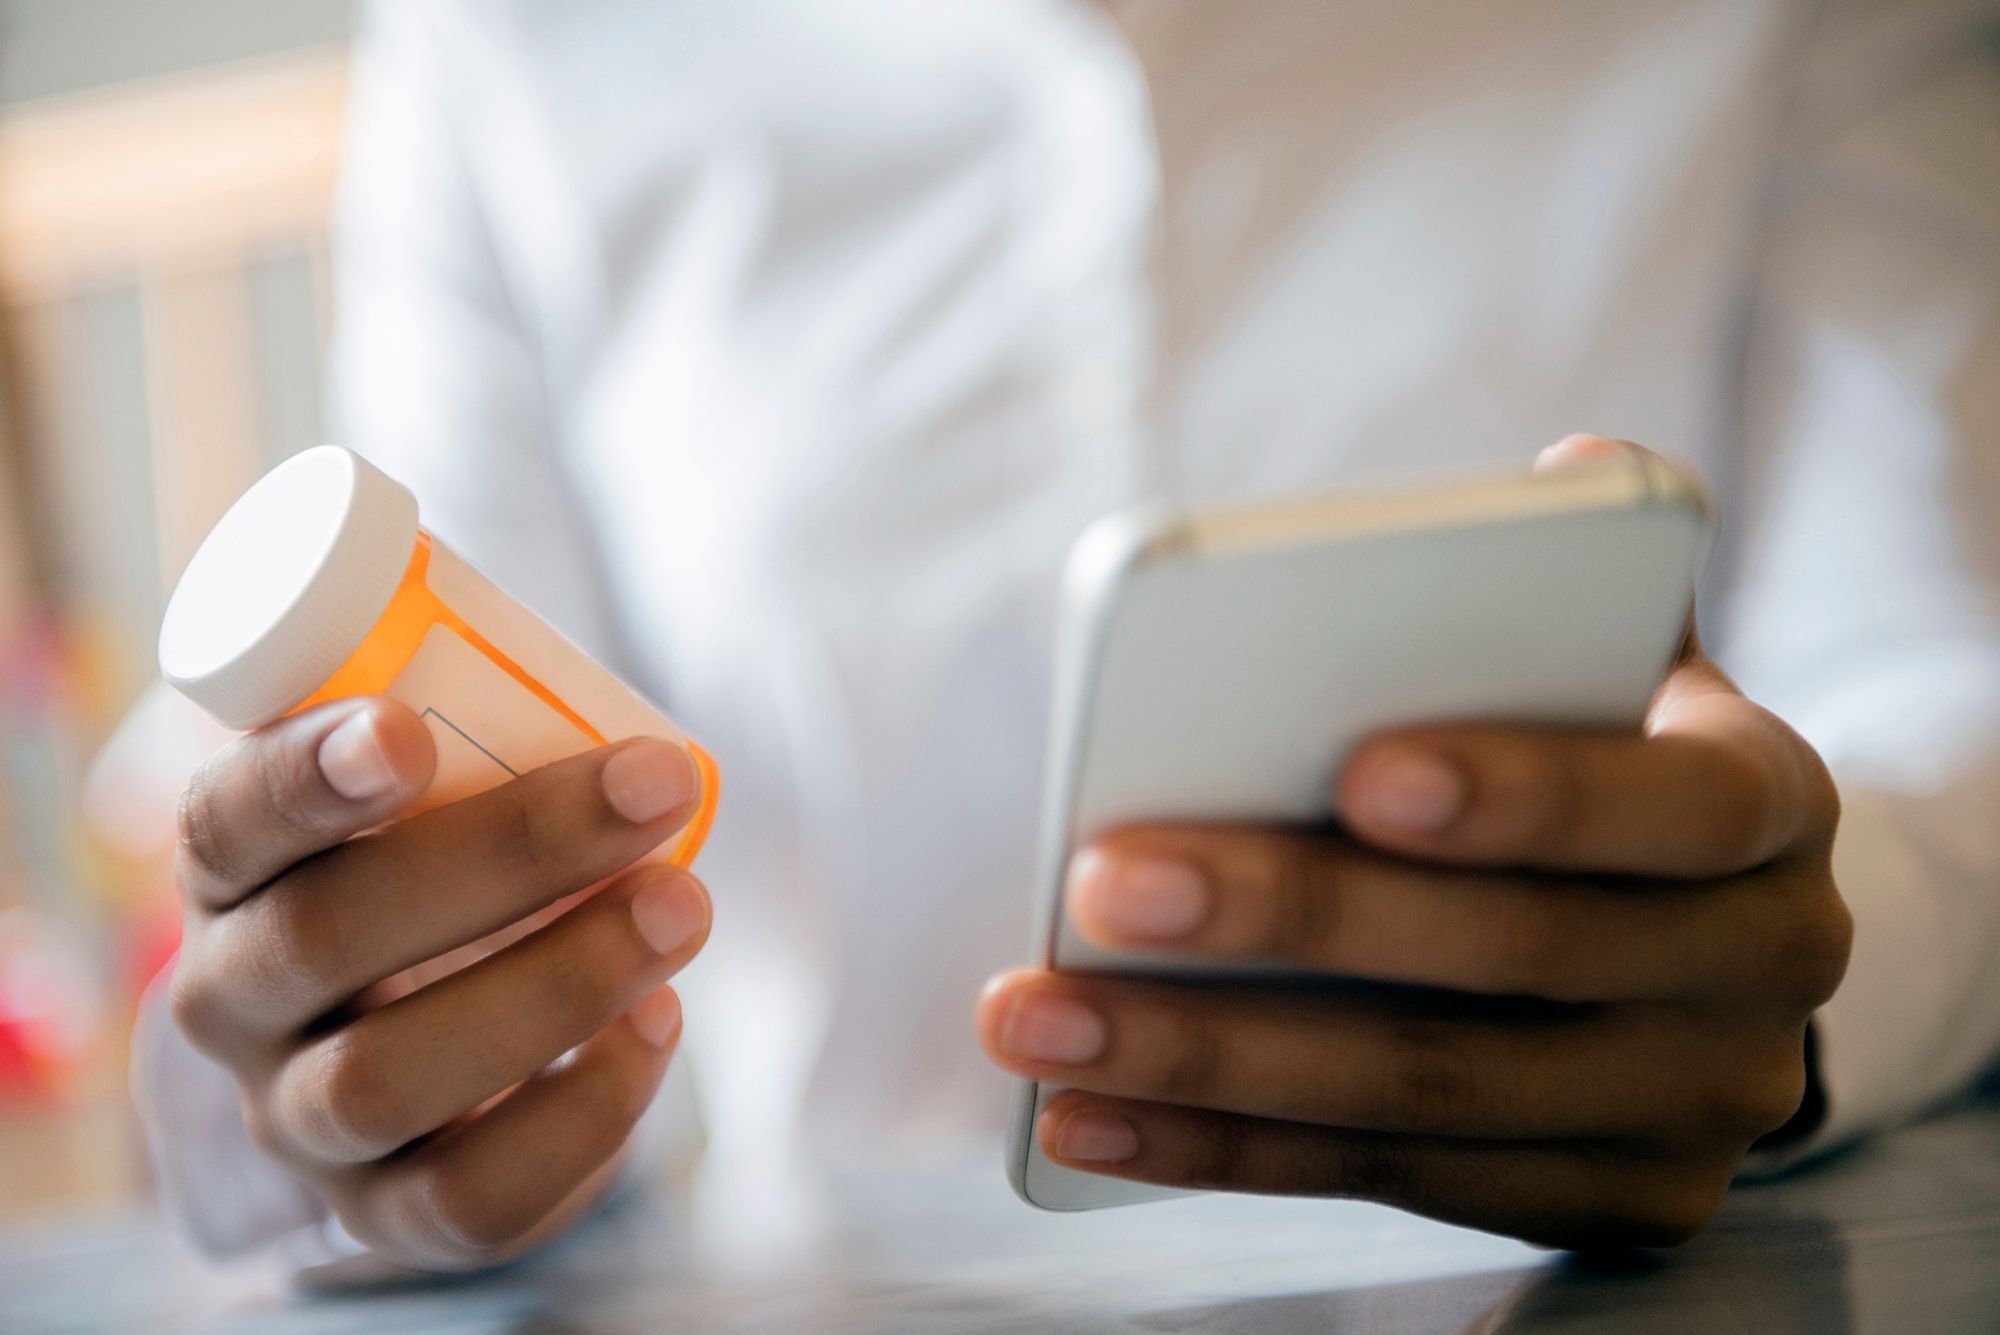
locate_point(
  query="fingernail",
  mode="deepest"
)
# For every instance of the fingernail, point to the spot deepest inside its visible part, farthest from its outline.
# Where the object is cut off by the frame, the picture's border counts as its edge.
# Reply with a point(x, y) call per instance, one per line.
point(1096, 1137)
point(353, 761)
point(1148, 898)
point(1410, 790)
point(1570, 449)
point(658, 1018)
point(648, 779)
point(1044, 1028)
point(667, 911)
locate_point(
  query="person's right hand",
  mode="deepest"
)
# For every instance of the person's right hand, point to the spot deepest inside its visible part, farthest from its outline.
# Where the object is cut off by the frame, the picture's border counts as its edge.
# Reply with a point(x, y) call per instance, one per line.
point(434, 1107)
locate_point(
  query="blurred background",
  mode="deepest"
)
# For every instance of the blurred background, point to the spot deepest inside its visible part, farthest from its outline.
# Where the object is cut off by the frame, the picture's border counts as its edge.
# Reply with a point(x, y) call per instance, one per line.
point(165, 172)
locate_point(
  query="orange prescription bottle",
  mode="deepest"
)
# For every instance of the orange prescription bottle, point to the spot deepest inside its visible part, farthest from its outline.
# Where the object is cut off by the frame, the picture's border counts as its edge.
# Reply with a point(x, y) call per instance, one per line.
point(319, 584)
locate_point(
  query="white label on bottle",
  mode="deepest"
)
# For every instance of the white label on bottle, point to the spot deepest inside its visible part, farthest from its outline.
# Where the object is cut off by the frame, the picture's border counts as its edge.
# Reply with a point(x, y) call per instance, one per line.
point(488, 727)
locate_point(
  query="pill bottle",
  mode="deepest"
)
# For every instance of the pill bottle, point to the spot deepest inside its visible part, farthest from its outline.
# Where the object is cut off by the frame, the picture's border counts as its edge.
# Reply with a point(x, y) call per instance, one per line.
point(319, 584)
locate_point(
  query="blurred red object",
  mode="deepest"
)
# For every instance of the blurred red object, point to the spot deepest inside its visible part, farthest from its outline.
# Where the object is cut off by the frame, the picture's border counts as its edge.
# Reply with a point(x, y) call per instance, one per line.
point(19, 1070)
point(50, 1017)
point(151, 943)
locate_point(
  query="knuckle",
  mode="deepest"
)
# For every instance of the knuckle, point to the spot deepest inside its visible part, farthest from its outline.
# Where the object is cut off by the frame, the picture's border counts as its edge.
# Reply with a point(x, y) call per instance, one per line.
point(345, 1106)
point(1428, 1082)
point(295, 806)
point(262, 1129)
point(465, 1221)
point(1630, 1205)
point(1800, 773)
point(461, 1222)
point(1748, 807)
point(196, 1006)
point(278, 793)
point(1651, 1204)
point(203, 839)
point(582, 986)
point(1820, 945)
point(529, 833)
point(291, 960)
point(1741, 1107)
point(1802, 933)
point(288, 778)
point(1376, 1168)
point(1666, 1216)
point(1774, 1100)
point(1214, 1155)
point(1767, 1097)
point(1543, 791)
point(1301, 917)
point(612, 1096)
point(1192, 1064)
point(1527, 945)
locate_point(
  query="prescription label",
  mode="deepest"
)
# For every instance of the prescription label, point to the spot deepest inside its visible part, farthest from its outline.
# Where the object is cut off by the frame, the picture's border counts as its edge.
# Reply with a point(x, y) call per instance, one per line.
point(488, 727)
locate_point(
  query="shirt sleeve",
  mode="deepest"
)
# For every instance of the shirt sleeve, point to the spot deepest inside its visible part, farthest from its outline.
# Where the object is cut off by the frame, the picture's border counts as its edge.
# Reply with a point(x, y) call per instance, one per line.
point(434, 375)
point(1864, 598)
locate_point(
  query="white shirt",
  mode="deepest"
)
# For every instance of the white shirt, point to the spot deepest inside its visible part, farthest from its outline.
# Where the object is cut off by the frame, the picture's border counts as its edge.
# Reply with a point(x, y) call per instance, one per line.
point(778, 350)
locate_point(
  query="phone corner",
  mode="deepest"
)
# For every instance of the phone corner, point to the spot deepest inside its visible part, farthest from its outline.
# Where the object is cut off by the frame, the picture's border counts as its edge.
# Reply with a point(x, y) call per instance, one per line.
point(1677, 484)
point(1020, 1145)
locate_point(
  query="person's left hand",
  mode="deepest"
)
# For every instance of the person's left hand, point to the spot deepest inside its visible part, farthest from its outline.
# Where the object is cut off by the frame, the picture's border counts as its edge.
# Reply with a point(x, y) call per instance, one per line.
point(1616, 944)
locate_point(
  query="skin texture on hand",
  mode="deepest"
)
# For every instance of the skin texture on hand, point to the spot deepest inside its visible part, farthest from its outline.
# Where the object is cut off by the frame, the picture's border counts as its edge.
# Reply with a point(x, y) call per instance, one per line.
point(1576, 969)
point(447, 1026)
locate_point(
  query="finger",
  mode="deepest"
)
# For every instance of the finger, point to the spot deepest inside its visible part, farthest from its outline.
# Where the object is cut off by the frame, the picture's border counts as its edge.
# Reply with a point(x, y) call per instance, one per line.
point(1718, 786)
point(1584, 447)
point(384, 902)
point(408, 1068)
point(487, 1189)
point(1366, 1062)
point(1326, 905)
point(287, 791)
point(1550, 1193)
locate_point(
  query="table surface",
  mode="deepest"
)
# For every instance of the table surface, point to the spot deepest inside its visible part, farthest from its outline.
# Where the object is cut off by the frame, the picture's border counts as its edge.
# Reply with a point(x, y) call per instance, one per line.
point(1900, 1235)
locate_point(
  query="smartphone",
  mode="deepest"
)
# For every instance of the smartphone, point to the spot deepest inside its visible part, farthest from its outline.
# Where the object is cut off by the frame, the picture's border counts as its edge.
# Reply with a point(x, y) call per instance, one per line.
point(1220, 666)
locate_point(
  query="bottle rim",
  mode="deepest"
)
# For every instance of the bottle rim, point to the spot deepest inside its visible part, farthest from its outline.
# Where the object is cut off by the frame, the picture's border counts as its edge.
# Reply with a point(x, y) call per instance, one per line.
point(287, 585)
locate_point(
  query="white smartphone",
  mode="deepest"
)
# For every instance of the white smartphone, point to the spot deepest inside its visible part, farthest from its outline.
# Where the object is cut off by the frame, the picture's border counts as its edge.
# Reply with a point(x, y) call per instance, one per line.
point(1220, 666)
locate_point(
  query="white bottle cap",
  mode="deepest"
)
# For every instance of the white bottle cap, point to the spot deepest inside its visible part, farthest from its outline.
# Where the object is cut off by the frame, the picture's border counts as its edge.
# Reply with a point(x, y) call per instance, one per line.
point(287, 585)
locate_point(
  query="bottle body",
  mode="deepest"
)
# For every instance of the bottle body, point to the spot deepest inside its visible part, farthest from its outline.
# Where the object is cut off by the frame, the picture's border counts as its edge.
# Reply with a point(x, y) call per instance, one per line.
point(500, 689)
point(320, 583)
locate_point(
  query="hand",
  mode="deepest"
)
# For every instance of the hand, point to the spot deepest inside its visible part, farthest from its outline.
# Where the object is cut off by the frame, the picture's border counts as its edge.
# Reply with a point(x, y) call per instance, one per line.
point(1615, 944)
point(392, 1051)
